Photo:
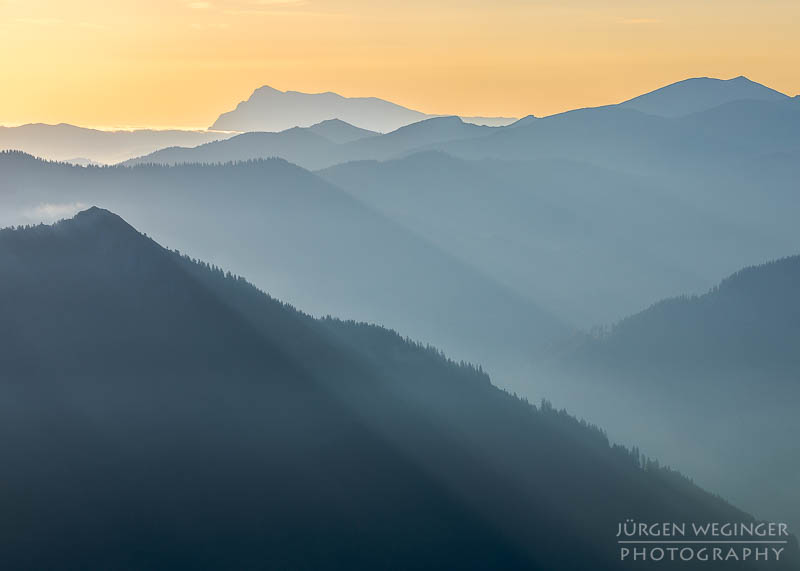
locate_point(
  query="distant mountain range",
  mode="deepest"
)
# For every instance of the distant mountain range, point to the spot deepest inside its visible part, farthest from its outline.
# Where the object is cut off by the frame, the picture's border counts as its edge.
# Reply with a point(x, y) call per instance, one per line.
point(272, 110)
point(169, 415)
point(598, 212)
point(712, 141)
point(726, 122)
point(321, 145)
point(77, 144)
point(269, 109)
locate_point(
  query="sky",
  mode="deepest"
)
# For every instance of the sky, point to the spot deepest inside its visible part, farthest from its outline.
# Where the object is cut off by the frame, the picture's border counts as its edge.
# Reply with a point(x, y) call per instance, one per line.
point(180, 63)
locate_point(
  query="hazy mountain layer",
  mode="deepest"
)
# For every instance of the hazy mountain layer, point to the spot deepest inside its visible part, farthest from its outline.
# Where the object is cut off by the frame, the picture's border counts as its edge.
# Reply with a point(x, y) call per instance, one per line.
point(338, 131)
point(274, 111)
point(589, 243)
point(317, 147)
point(162, 415)
point(697, 147)
point(304, 240)
point(300, 146)
point(69, 143)
point(714, 379)
point(490, 121)
point(269, 109)
point(701, 147)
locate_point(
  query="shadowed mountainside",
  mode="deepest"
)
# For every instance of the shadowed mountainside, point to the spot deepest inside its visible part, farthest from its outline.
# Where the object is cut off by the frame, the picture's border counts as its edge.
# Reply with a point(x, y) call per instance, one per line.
point(169, 416)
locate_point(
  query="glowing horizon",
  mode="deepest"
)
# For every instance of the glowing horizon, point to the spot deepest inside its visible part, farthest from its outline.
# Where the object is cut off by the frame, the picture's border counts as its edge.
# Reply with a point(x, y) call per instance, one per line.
point(180, 63)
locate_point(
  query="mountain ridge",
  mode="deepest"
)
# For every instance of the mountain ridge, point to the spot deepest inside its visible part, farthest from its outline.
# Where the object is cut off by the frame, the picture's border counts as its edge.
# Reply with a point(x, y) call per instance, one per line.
point(310, 148)
point(269, 109)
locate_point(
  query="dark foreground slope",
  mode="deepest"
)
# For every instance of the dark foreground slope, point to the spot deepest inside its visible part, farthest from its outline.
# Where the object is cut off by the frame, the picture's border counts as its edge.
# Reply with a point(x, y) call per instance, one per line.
point(159, 414)
point(715, 380)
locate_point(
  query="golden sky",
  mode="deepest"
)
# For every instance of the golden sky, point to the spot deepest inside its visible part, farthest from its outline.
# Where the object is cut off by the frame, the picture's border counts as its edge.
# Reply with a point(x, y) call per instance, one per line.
point(182, 62)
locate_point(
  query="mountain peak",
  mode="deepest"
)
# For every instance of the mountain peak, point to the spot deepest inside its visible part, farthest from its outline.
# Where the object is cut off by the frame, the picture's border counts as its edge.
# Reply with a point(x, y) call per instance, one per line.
point(94, 212)
point(96, 215)
point(269, 109)
point(437, 122)
point(98, 221)
point(340, 131)
point(700, 94)
point(335, 122)
point(265, 90)
point(527, 120)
